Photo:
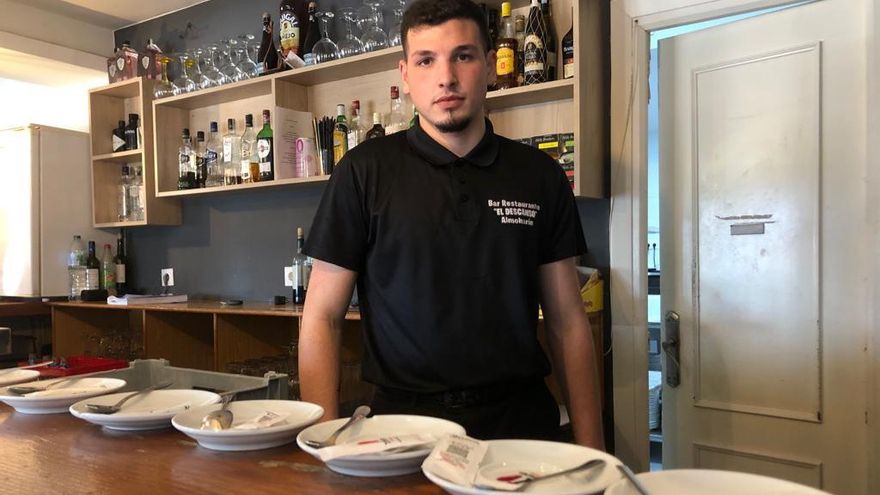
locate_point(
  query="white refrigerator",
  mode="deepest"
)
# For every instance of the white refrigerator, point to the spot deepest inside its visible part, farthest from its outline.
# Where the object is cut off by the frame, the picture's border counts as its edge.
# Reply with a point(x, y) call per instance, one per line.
point(45, 199)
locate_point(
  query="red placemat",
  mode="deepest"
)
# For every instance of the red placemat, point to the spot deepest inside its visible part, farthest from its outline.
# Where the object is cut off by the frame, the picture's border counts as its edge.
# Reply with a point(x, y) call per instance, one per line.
point(78, 365)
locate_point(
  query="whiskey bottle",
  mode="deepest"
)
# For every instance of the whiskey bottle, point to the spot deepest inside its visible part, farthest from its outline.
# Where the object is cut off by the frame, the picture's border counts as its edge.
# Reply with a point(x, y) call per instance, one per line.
point(505, 49)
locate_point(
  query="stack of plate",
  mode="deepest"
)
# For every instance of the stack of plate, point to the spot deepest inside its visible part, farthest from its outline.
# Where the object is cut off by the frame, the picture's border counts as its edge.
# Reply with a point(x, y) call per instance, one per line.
point(59, 398)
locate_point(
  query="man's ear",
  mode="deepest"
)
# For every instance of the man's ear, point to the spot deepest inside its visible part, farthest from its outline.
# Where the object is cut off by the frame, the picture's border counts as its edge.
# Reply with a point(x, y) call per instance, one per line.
point(491, 61)
point(404, 79)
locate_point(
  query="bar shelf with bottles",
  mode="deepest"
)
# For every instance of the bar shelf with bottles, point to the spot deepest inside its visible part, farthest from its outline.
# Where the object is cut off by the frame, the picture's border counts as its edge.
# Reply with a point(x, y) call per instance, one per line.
point(108, 106)
point(576, 105)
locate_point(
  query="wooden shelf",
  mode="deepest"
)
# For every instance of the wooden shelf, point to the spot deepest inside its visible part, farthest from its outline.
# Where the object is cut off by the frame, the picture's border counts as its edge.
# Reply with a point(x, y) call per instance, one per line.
point(120, 157)
point(534, 94)
point(113, 225)
point(130, 88)
point(222, 94)
point(255, 308)
point(244, 187)
point(346, 68)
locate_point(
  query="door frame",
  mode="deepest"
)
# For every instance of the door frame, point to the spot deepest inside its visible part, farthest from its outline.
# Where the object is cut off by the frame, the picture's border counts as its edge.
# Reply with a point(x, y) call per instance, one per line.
point(631, 23)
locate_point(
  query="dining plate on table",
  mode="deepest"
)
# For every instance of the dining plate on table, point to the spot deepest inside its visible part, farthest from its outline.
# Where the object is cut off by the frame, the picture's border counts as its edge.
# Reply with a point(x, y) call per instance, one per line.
point(505, 458)
point(380, 426)
point(290, 417)
point(60, 397)
point(702, 481)
point(13, 376)
point(147, 411)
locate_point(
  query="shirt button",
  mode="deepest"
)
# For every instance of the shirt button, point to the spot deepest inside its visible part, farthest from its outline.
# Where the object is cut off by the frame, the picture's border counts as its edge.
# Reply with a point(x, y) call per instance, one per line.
point(464, 198)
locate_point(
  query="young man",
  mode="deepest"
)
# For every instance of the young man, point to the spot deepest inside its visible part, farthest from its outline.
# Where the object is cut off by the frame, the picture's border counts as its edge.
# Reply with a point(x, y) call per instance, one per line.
point(453, 235)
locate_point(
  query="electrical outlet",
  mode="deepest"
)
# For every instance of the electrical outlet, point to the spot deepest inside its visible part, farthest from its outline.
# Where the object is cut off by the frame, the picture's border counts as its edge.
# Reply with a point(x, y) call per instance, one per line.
point(168, 277)
point(288, 276)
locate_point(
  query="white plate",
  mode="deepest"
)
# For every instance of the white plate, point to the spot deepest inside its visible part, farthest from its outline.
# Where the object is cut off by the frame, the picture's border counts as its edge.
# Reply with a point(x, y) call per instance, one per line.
point(57, 399)
point(539, 457)
point(147, 411)
point(299, 415)
point(702, 481)
point(12, 377)
point(374, 465)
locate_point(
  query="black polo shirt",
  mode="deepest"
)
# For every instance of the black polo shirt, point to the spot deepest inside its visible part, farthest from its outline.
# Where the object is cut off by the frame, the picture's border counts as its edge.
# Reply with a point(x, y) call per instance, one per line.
point(447, 252)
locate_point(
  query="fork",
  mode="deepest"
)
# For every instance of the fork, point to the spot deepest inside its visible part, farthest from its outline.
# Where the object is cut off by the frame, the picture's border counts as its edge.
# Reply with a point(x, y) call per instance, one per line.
point(360, 413)
point(107, 409)
point(25, 389)
point(524, 478)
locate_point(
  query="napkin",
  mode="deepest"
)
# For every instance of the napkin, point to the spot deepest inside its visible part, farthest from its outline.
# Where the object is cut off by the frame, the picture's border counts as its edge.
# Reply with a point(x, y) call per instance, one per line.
point(376, 445)
point(456, 458)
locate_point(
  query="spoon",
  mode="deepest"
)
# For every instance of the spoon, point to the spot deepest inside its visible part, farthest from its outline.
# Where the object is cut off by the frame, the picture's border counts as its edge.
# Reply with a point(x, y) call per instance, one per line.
point(27, 389)
point(105, 409)
point(360, 413)
point(524, 479)
point(220, 419)
point(627, 472)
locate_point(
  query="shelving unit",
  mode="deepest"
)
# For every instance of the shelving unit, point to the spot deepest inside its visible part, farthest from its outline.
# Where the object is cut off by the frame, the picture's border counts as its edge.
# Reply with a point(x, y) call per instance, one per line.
point(108, 105)
point(572, 105)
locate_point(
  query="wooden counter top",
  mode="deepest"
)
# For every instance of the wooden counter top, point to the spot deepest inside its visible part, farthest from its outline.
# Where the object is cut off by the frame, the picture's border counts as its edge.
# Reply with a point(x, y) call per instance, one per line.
point(206, 306)
point(57, 453)
point(16, 308)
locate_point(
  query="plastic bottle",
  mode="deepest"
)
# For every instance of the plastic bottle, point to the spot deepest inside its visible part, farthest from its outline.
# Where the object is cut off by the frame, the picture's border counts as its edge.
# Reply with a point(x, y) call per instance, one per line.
point(76, 268)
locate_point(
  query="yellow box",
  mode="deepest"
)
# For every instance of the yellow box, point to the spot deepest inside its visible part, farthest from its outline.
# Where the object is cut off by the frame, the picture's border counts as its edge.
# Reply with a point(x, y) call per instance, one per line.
point(592, 294)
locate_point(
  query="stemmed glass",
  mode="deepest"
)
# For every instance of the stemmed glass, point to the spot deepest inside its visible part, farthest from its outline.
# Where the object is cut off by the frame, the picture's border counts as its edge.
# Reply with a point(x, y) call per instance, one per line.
point(163, 87)
point(325, 49)
point(394, 38)
point(228, 66)
point(183, 83)
point(196, 73)
point(212, 73)
point(245, 62)
point(254, 53)
point(370, 19)
point(349, 45)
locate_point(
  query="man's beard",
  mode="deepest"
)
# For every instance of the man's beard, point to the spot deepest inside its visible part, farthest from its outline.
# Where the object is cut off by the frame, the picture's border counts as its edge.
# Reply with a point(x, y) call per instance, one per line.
point(452, 125)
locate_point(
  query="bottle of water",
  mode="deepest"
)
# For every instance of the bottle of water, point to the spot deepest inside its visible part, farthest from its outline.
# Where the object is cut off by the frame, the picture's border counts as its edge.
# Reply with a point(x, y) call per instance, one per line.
point(76, 268)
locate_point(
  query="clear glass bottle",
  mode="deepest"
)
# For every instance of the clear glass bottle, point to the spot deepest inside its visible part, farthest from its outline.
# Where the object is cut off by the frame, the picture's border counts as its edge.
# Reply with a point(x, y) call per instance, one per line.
point(340, 134)
point(355, 131)
point(201, 168)
point(122, 195)
point(213, 158)
point(76, 268)
point(265, 151)
point(187, 163)
point(301, 270)
point(397, 117)
point(250, 161)
point(231, 155)
point(108, 271)
point(136, 193)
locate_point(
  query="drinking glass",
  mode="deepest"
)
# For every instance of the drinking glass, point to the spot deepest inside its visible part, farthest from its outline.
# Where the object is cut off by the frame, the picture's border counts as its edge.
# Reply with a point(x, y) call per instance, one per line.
point(349, 45)
point(254, 52)
point(370, 19)
point(212, 73)
point(184, 84)
point(163, 87)
point(325, 49)
point(394, 38)
point(196, 71)
point(245, 62)
point(228, 67)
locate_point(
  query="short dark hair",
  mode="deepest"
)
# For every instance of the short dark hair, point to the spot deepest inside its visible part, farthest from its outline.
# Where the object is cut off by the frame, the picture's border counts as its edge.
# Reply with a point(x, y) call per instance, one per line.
point(436, 12)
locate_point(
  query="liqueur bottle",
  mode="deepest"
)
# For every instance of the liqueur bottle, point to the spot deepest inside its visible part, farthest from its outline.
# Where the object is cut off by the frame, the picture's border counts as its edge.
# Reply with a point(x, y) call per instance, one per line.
point(313, 34)
point(231, 155)
point(340, 134)
point(505, 49)
point(397, 118)
point(267, 54)
point(301, 270)
point(534, 54)
point(201, 168)
point(377, 130)
point(133, 132)
point(108, 271)
point(93, 269)
point(355, 131)
point(568, 52)
point(213, 158)
point(119, 137)
point(288, 29)
point(250, 161)
point(520, 26)
point(264, 149)
point(549, 39)
point(187, 163)
point(119, 262)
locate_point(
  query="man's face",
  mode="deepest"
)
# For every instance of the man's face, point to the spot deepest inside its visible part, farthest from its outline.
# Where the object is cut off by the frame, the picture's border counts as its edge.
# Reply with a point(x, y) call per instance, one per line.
point(446, 72)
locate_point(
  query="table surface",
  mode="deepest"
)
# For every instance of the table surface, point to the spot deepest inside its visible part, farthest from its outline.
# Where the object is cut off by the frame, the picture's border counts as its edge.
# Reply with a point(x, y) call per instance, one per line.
point(57, 453)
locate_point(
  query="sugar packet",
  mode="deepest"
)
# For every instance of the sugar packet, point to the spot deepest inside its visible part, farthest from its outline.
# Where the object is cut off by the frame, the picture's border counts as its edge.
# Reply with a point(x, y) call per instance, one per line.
point(377, 445)
point(456, 458)
point(265, 420)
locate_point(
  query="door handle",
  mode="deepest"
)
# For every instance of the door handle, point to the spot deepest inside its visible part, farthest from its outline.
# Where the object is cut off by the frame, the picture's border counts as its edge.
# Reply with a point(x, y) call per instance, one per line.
point(671, 349)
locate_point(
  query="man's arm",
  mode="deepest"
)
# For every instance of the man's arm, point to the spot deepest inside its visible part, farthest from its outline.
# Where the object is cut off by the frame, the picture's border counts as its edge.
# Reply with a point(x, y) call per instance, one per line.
point(329, 293)
point(571, 350)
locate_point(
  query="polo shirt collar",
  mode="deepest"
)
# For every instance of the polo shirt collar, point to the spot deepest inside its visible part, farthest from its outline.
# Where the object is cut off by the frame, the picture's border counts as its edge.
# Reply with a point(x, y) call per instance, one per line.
point(483, 154)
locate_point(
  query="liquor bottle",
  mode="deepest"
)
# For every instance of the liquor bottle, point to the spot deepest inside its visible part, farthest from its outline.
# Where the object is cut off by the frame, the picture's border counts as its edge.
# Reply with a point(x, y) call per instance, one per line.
point(355, 131)
point(312, 35)
point(108, 271)
point(549, 39)
point(136, 193)
point(377, 130)
point(231, 155)
point(201, 169)
point(114, 74)
point(213, 154)
point(535, 55)
point(288, 28)
point(119, 262)
point(415, 118)
point(340, 134)
point(133, 132)
point(568, 51)
point(187, 164)
point(150, 61)
point(505, 49)
point(267, 54)
point(123, 202)
point(129, 65)
point(76, 268)
point(520, 26)
point(250, 161)
point(397, 119)
point(118, 141)
point(301, 270)
point(264, 149)
point(93, 269)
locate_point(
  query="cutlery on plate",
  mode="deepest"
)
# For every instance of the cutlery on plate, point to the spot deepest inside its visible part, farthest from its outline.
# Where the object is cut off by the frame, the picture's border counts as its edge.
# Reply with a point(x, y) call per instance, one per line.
point(29, 389)
point(105, 409)
point(523, 478)
point(632, 479)
point(360, 413)
point(220, 419)
point(12, 370)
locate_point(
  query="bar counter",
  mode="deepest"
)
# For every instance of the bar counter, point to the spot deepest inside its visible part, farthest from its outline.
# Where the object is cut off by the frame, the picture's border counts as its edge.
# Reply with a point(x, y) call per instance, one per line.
point(57, 453)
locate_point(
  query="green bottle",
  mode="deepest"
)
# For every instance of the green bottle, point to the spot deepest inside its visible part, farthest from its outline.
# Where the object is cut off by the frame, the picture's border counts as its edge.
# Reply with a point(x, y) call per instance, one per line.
point(264, 149)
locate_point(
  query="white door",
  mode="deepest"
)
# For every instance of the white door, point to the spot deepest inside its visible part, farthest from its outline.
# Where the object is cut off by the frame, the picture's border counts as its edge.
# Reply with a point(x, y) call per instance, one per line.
point(763, 244)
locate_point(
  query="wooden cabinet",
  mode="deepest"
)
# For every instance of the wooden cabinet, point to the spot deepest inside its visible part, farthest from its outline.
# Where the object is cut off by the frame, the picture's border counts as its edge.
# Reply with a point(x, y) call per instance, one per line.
point(107, 106)
point(575, 105)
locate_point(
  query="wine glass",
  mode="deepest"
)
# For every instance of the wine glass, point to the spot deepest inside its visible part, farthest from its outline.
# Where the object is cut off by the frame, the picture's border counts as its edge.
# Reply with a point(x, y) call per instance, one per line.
point(184, 84)
point(254, 53)
point(370, 18)
point(394, 35)
point(163, 87)
point(212, 73)
point(228, 67)
point(325, 49)
point(245, 62)
point(196, 71)
point(350, 44)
